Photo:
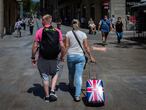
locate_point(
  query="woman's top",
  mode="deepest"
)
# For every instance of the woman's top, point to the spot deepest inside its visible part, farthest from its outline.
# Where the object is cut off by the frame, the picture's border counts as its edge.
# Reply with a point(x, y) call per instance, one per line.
point(74, 47)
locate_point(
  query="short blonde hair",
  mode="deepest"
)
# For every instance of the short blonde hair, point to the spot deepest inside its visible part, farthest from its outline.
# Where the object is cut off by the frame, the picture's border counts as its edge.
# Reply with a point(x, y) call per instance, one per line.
point(47, 18)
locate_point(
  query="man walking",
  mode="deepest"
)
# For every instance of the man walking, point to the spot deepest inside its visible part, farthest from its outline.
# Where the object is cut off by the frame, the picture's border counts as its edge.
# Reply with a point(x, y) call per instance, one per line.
point(49, 42)
point(31, 25)
point(18, 27)
point(105, 27)
point(119, 29)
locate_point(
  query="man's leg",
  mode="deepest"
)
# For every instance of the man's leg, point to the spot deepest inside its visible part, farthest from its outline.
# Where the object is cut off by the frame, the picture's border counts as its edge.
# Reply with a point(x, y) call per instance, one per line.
point(103, 38)
point(46, 86)
point(45, 77)
point(53, 96)
point(53, 67)
point(121, 35)
point(19, 33)
point(106, 34)
point(53, 82)
point(118, 37)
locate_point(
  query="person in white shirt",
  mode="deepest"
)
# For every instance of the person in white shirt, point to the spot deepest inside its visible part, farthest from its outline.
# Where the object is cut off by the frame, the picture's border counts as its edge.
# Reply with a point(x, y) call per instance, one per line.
point(75, 57)
point(18, 26)
point(92, 26)
point(113, 21)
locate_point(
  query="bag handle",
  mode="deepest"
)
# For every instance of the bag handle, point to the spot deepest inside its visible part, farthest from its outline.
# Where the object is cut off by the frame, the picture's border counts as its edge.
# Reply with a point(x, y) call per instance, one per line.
point(91, 71)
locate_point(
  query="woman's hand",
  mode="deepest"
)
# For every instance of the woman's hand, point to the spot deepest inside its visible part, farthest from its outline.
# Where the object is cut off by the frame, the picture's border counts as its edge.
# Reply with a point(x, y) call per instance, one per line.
point(92, 59)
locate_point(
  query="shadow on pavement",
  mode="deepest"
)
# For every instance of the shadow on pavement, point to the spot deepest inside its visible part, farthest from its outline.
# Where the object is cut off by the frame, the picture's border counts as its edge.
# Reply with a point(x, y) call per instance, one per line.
point(37, 90)
point(125, 44)
point(99, 43)
point(141, 40)
point(65, 88)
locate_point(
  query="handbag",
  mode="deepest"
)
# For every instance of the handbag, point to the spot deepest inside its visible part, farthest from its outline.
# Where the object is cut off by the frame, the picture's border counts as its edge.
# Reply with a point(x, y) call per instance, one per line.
point(86, 58)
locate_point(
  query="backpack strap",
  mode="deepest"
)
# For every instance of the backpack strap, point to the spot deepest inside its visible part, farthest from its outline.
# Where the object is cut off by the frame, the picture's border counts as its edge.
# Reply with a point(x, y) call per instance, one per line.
point(105, 22)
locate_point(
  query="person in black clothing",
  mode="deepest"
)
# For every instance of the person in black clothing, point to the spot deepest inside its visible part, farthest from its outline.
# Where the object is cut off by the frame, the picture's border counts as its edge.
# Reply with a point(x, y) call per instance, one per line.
point(31, 25)
point(119, 29)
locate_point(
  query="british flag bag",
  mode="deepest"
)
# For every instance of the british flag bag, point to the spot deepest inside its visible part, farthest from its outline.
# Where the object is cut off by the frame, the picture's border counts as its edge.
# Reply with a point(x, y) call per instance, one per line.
point(95, 91)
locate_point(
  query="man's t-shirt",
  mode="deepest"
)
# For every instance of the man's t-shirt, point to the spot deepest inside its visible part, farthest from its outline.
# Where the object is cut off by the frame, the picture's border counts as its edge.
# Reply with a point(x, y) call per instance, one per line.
point(105, 25)
point(38, 36)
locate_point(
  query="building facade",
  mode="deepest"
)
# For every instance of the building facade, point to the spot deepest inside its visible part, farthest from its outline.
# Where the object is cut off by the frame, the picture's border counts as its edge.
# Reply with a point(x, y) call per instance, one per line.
point(1, 17)
point(8, 16)
point(10, 10)
point(95, 9)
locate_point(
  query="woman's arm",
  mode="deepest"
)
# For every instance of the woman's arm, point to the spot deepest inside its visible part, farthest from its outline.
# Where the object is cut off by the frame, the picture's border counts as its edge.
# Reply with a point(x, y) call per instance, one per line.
point(66, 45)
point(88, 50)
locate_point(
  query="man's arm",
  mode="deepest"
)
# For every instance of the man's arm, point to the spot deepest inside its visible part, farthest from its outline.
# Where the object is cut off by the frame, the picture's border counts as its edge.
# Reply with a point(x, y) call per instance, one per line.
point(34, 50)
point(62, 50)
point(99, 25)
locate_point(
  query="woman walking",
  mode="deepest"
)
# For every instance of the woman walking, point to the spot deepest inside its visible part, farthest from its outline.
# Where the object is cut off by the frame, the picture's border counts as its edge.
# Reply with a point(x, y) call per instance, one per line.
point(76, 42)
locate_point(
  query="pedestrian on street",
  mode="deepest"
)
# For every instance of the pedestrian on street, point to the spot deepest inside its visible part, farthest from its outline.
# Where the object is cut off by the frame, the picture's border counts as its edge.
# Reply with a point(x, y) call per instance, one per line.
point(24, 23)
point(92, 26)
point(105, 27)
point(58, 23)
point(49, 42)
point(83, 21)
point(76, 57)
point(31, 25)
point(18, 26)
point(113, 21)
point(119, 29)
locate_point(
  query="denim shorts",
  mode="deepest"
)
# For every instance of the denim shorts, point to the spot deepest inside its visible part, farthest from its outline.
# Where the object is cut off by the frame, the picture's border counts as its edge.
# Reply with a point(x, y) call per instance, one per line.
point(47, 67)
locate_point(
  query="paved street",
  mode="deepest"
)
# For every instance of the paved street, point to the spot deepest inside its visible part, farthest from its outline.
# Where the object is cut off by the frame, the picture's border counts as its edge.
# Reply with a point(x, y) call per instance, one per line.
point(122, 68)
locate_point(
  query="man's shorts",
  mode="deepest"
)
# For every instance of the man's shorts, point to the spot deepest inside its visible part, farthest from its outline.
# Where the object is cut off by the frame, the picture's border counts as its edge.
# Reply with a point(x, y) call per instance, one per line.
point(47, 67)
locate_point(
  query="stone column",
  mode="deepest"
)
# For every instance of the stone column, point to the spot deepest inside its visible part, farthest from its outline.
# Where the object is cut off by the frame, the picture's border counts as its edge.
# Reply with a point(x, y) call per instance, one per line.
point(118, 8)
point(1, 17)
point(21, 9)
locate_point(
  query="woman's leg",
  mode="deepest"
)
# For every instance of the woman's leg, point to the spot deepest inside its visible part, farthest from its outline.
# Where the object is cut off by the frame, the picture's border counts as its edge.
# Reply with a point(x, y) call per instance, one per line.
point(78, 76)
point(71, 69)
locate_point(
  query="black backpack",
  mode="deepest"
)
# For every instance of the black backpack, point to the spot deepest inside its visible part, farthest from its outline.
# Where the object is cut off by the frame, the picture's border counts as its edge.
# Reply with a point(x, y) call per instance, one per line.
point(49, 44)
